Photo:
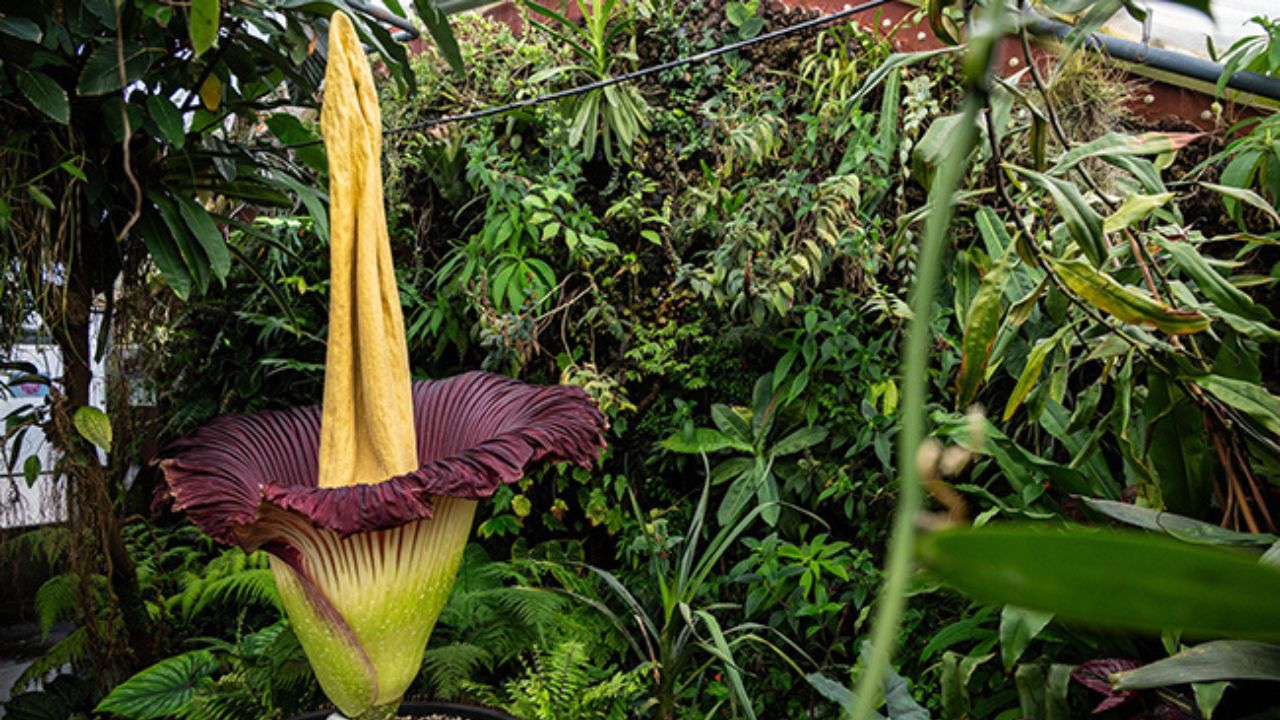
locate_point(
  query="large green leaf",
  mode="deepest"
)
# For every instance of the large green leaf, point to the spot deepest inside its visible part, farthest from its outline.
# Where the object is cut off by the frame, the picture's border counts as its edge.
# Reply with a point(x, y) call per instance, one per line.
point(93, 425)
point(1178, 526)
point(702, 440)
point(45, 94)
point(1178, 448)
point(1018, 627)
point(1116, 145)
point(206, 232)
point(1111, 578)
point(20, 28)
point(1207, 662)
point(1225, 295)
point(162, 689)
point(101, 72)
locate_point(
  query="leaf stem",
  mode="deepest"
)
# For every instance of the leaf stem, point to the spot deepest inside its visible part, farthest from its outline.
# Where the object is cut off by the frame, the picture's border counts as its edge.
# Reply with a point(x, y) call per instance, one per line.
point(915, 352)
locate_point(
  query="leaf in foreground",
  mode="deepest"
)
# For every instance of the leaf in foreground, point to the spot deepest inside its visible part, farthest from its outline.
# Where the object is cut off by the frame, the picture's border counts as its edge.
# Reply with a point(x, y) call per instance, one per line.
point(1111, 578)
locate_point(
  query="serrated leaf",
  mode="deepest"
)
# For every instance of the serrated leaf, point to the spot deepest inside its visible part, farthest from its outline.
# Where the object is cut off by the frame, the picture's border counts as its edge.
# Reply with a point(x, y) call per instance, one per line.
point(1124, 304)
point(45, 94)
point(93, 425)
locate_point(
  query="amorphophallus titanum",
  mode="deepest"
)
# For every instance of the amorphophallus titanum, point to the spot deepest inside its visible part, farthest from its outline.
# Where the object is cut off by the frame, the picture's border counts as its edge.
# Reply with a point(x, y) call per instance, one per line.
point(365, 504)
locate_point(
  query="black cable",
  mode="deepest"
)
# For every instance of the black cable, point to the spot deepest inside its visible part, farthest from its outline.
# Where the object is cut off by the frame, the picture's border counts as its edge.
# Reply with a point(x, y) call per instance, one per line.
point(642, 72)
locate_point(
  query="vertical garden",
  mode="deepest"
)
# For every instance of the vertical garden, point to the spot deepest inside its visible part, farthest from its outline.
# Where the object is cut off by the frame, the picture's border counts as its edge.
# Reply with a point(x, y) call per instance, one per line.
point(923, 384)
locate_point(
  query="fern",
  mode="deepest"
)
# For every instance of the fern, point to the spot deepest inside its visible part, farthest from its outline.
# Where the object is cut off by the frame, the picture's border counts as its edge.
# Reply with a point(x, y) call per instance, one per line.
point(447, 668)
point(69, 651)
point(565, 684)
point(54, 601)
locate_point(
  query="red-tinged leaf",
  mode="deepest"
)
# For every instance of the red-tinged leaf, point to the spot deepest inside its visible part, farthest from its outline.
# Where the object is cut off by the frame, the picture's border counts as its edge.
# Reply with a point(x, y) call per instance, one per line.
point(1125, 304)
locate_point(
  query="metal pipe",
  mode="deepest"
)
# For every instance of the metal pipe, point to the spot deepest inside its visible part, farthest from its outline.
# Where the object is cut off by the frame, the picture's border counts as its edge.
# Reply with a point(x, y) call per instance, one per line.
point(1161, 59)
point(385, 16)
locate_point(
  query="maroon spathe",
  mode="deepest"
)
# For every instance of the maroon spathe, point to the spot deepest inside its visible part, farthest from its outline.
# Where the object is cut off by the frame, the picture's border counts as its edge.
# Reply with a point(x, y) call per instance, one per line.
point(475, 432)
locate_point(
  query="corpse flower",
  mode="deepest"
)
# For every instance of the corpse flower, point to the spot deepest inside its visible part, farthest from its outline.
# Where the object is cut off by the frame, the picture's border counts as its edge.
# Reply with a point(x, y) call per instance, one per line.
point(365, 504)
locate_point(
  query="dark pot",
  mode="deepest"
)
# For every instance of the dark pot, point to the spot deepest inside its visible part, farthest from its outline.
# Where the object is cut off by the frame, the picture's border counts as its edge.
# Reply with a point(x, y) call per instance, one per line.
point(423, 709)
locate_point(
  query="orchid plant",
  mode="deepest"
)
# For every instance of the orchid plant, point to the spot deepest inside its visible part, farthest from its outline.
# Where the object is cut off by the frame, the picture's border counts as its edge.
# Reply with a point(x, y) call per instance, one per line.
point(365, 504)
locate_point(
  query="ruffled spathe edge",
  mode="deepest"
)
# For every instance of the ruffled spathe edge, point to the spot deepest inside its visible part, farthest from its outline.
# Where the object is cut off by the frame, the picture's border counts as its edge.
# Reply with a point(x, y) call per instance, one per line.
point(474, 433)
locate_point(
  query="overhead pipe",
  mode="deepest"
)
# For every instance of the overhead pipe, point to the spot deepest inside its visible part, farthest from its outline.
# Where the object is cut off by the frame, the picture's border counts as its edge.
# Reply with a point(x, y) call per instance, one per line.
point(1160, 59)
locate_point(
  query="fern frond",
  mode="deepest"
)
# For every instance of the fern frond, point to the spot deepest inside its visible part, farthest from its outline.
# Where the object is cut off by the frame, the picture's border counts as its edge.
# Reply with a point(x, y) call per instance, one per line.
point(446, 668)
point(54, 601)
point(70, 650)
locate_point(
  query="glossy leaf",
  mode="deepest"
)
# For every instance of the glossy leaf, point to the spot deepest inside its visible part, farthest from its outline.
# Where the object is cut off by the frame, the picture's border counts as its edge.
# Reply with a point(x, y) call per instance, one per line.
point(162, 689)
point(1110, 578)
point(101, 72)
point(1125, 304)
point(168, 120)
point(45, 94)
point(703, 440)
point(1030, 374)
point(20, 28)
point(1211, 283)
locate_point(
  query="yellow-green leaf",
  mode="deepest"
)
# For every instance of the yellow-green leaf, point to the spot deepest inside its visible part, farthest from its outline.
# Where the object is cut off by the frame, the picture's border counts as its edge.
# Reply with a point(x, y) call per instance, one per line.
point(1030, 373)
point(93, 425)
point(981, 324)
point(1134, 209)
point(1125, 304)
point(204, 24)
point(211, 93)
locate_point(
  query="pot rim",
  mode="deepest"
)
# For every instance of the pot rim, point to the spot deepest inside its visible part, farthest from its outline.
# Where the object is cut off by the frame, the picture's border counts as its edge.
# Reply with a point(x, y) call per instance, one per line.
point(465, 710)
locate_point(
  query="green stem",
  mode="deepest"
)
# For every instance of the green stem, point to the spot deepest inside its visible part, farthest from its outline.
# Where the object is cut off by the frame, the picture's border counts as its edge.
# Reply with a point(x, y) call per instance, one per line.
point(893, 596)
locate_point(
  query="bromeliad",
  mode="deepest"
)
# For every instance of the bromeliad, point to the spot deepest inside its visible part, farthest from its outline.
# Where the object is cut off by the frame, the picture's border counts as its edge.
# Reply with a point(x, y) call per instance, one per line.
point(365, 504)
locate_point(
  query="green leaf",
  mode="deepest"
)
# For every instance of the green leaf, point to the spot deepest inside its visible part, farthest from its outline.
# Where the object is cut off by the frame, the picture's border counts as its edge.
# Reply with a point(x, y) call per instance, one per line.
point(1215, 287)
point(1018, 627)
point(1134, 209)
point(203, 26)
point(162, 689)
point(1130, 306)
point(981, 324)
point(45, 94)
point(1207, 662)
point(207, 234)
point(1084, 224)
point(101, 72)
point(1178, 449)
point(1247, 196)
point(168, 120)
point(40, 197)
point(1110, 578)
point(737, 13)
point(801, 439)
point(1178, 526)
point(1030, 373)
point(438, 25)
point(703, 440)
point(1117, 145)
point(31, 470)
point(21, 28)
point(166, 255)
point(1248, 397)
point(93, 425)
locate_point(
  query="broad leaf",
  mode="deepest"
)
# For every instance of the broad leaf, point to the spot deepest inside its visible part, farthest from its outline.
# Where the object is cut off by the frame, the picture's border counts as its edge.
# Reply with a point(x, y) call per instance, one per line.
point(1110, 578)
point(45, 94)
point(1018, 627)
point(162, 689)
point(702, 440)
point(1083, 222)
point(93, 425)
point(203, 26)
point(101, 72)
point(1248, 397)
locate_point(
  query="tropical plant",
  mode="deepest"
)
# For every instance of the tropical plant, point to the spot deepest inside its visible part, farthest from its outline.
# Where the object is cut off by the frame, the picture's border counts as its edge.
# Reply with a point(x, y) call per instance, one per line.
point(367, 501)
point(755, 475)
point(562, 683)
point(617, 114)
